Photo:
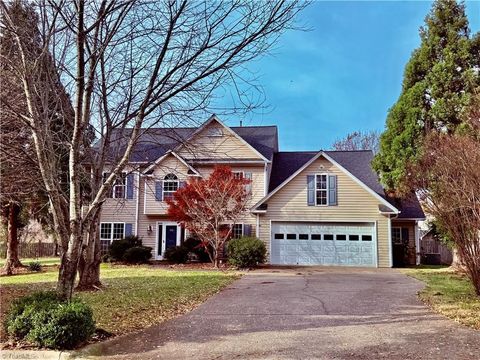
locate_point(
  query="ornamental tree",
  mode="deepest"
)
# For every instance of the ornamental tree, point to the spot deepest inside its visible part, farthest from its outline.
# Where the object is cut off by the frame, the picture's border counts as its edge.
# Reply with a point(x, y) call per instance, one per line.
point(210, 207)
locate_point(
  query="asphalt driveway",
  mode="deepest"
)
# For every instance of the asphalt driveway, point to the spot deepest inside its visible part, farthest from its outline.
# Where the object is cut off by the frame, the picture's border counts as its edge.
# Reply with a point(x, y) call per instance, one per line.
point(305, 313)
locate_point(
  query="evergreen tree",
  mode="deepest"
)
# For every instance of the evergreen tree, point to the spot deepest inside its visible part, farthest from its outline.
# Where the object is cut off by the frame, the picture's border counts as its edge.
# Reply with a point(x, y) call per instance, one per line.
point(438, 83)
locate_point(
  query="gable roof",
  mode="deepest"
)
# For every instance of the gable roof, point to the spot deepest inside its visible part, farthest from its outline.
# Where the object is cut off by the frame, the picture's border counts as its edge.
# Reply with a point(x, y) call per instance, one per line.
point(191, 169)
point(357, 163)
point(153, 143)
point(214, 118)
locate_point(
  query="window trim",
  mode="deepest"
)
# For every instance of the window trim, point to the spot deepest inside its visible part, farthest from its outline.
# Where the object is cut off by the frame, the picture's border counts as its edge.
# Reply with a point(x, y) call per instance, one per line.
point(111, 233)
point(400, 238)
point(111, 195)
point(233, 230)
point(327, 189)
point(169, 181)
point(239, 172)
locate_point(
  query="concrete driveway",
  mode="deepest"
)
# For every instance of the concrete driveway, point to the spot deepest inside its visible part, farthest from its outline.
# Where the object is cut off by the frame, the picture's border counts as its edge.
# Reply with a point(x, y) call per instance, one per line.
point(305, 313)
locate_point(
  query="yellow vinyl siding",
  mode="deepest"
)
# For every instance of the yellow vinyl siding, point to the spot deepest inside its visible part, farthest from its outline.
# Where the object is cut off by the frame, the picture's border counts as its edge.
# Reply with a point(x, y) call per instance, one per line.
point(121, 210)
point(169, 165)
point(228, 146)
point(156, 210)
point(354, 204)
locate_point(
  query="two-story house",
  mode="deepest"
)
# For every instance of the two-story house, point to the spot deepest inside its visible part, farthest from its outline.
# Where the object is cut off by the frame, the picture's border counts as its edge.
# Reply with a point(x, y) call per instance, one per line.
point(323, 207)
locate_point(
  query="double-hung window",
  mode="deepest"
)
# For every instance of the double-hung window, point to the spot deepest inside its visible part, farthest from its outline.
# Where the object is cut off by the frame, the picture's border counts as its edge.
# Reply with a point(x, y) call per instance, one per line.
point(119, 188)
point(321, 189)
point(112, 231)
point(170, 185)
point(238, 175)
point(397, 235)
point(237, 231)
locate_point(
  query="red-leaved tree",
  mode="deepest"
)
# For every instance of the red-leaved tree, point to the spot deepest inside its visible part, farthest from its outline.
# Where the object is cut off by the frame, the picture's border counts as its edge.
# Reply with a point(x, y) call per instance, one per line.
point(209, 207)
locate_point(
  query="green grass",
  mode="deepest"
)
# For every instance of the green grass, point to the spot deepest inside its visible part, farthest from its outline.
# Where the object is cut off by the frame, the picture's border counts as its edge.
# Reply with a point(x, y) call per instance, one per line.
point(448, 293)
point(43, 261)
point(133, 297)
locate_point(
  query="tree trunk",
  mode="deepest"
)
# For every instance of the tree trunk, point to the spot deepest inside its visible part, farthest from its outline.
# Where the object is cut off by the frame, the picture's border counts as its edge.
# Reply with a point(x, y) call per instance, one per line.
point(69, 266)
point(12, 260)
point(456, 261)
point(90, 259)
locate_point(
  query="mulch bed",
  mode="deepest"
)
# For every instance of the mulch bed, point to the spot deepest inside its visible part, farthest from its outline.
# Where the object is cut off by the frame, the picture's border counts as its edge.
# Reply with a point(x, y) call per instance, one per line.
point(190, 266)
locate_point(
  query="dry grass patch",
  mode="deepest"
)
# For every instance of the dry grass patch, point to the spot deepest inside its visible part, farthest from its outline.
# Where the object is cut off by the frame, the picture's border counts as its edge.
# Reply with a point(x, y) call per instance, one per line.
point(449, 293)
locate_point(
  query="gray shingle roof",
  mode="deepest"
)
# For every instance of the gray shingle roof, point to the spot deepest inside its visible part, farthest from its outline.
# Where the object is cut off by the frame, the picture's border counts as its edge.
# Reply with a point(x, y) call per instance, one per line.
point(155, 142)
point(356, 162)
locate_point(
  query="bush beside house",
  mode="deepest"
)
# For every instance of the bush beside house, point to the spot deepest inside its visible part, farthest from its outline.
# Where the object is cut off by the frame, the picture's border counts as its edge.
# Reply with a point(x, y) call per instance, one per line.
point(177, 254)
point(246, 252)
point(46, 321)
point(129, 250)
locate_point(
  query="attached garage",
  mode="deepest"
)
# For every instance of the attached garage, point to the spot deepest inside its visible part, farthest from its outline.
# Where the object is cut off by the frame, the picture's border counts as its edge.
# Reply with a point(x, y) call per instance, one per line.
point(316, 243)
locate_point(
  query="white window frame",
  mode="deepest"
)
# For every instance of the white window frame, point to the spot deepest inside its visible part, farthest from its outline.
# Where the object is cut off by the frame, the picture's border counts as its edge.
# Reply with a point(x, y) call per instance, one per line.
point(236, 173)
point(233, 230)
point(112, 194)
point(169, 181)
point(111, 231)
point(327, 189)
point(400, 238)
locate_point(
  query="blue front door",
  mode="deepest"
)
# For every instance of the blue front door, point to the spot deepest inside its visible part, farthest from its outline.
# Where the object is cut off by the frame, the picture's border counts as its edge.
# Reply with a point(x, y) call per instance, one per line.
point(170, 236)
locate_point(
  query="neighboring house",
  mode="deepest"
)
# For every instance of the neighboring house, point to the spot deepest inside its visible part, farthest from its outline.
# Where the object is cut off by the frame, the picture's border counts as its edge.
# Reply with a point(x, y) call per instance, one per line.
point(324, 207)
point(433, 251)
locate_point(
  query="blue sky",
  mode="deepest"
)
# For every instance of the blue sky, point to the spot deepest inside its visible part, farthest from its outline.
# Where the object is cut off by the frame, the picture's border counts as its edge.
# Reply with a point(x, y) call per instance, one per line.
point(341, 76)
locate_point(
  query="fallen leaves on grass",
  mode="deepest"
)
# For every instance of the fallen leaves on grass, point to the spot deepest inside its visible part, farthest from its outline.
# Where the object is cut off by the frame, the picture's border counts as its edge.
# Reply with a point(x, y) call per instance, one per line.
point(449, 293)
point(133, 297)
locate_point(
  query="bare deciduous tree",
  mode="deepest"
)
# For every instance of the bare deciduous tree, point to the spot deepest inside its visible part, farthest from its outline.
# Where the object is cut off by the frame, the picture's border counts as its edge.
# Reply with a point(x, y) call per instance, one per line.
point(449, 169)
point(358, 140)
point(21, 188)
point(128, 64)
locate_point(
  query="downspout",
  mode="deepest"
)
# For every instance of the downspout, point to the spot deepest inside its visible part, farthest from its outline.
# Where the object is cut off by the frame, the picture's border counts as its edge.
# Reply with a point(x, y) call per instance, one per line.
point(265, 180)
point(137, 205)
point(257, 227)
point(417, 244)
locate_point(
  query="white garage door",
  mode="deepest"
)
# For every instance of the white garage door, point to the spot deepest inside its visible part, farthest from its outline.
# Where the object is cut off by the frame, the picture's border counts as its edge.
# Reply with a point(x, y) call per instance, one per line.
point(347, 244)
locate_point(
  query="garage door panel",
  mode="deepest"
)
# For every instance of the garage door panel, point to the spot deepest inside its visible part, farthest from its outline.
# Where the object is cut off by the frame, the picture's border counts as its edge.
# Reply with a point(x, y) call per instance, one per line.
point(331, 244)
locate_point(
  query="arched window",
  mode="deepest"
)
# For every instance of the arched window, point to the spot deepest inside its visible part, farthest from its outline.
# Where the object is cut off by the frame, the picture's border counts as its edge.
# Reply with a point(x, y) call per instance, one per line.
point(170, 185)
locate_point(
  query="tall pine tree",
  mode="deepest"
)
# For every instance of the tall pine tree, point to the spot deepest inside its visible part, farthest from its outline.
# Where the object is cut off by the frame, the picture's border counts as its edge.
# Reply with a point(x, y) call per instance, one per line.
point(438, 83)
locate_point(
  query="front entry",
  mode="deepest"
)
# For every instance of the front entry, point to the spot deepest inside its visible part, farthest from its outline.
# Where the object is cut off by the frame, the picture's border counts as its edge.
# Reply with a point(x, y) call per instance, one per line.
point(168, 236)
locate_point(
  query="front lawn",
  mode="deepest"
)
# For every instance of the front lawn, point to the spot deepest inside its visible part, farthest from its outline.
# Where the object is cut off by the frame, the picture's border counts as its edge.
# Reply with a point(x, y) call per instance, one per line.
point(42, 261)
point(448, 293)
point(134, 297)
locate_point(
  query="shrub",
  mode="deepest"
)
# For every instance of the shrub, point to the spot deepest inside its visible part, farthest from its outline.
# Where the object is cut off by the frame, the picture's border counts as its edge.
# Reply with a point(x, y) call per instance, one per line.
point(18, 321)
point(64, 326)
point(35, 266)
point(47, 321)
point(177, 254)
point(117, 248)
point(246, 252)
point(138, 255)
point(194, 246)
